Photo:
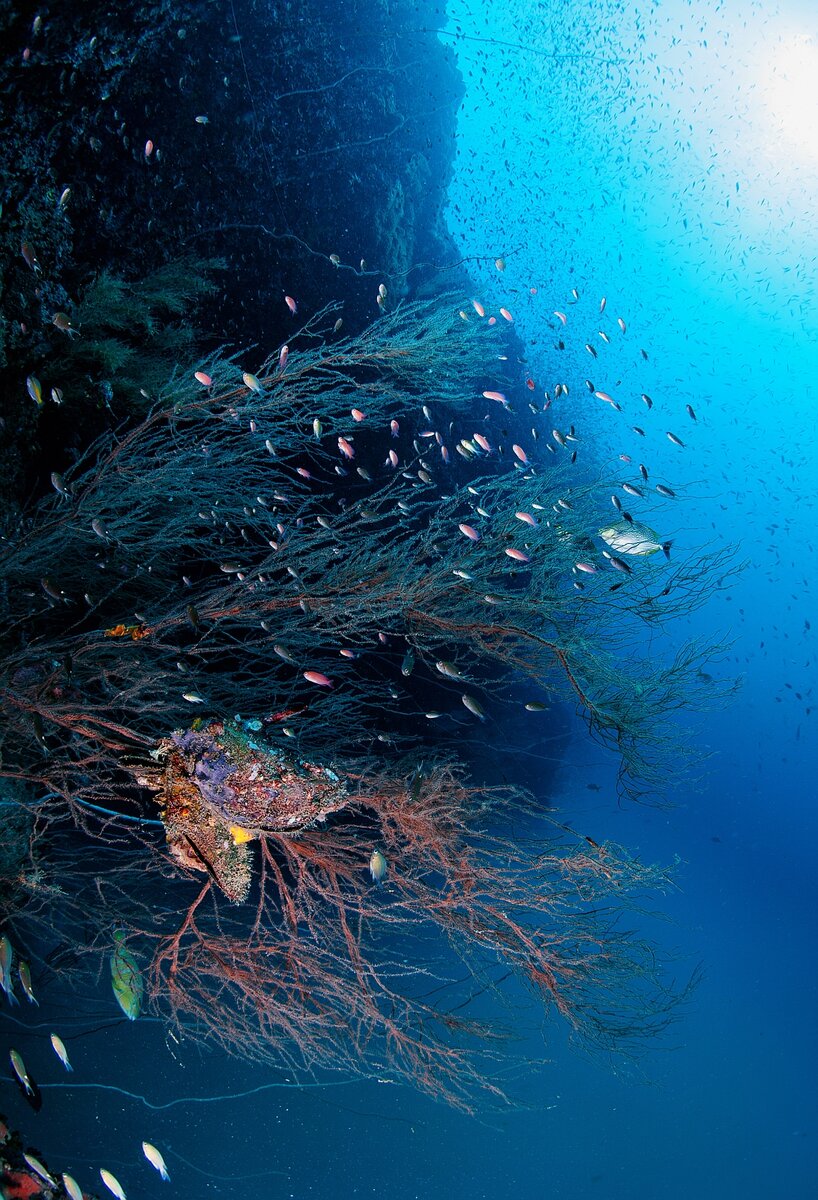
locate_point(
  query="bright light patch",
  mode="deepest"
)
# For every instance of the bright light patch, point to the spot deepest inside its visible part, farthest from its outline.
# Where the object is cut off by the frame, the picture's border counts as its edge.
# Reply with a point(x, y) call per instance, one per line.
point(791, 93)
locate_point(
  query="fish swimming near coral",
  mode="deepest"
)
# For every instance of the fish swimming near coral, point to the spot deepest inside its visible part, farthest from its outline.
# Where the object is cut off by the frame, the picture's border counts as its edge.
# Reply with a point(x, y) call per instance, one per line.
point(632, 537)
point(126, 978)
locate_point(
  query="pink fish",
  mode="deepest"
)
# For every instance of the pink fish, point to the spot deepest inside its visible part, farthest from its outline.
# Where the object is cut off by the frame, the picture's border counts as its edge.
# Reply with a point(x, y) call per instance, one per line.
point(291, 304)
point(521, 454)
point(202, 378)
point(483, 442)
point(562, 317)
point(303, 472)
point(148, 148)
point(478, 308)
point(469, 532)
point(517, 555)
point(395, 428)
point(30, 257)
point(527, 517)
point(393, 458)
point(357, 415)
point(498, 396)
point(283, 356)
point(346, 448)
point(317, 678)
point(505, 313)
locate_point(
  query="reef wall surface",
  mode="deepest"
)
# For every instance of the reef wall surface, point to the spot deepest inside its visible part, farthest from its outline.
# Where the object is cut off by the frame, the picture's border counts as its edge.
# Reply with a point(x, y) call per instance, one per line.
point(169, 171)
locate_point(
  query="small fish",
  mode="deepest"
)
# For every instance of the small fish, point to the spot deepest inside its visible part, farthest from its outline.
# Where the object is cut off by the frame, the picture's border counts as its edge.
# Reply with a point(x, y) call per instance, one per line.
point(112, 1183)
point(337, 326)
point(483, 442)
point(156, 1160)
point(38, 1169)
point(291, 304)
point(647, 400)
point(62, 321)
point(72, 1188)
point(665, 491)
point(677, 441)
point(506, 314)
point(60, 1051)
point(536, 706)
point(448, 669)
point(517, 555)
point(408, 664)
point(526, 517)
point(19, 1068)
point(335, 260)
point(24, 972)
point(30, 257)
point(587, 568)
point(346, 448)
point(498, 396)
point(469, 532)
point(632, 490)
point(357, 415)
point(591, 350)
point(63, 200)
point(203, 119)
point(318, 678)
point(690, 412)
point(252, 382)
point(57, 395)
point(6, 960)
point(394, 429)
point(203, 378)
point(283, 355)
point(602, 304)
point(632, 537)
point(521, 454)
point(473, 706)
point(478, 308)
point(100, 529)
point(500, 264)
point(34, 389)
point(126, 978)
point(619, 564)
point(148, 148)
point(562, 317)
point(378, 866)
point(621, 324)
point(284, 653)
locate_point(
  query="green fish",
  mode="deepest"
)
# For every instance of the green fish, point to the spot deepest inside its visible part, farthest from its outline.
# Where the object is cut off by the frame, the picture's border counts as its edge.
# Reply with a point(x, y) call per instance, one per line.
point(126, 978)
point(632, 537)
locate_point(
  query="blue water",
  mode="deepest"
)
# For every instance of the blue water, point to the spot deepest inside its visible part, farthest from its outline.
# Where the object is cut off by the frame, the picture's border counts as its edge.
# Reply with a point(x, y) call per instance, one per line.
point(664, 156)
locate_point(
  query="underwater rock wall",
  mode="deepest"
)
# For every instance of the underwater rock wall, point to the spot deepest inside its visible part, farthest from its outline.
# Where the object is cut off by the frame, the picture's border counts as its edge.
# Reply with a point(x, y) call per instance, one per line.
point(186, 132)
